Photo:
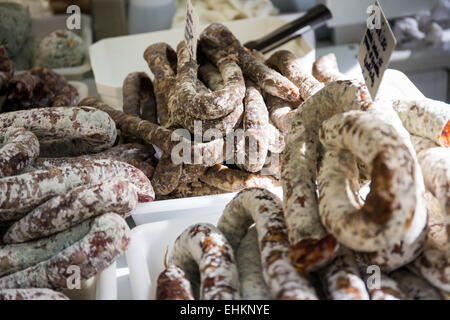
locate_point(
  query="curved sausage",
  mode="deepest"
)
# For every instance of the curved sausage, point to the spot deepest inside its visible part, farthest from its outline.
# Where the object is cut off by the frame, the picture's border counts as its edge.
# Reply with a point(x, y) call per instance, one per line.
point(203, 248)
point(325, 69)
point(79, 204)
point(173, 285)
point(19, 148)
point(107, 238)
point(263, 208)
point(311, 245)
point(138, 96)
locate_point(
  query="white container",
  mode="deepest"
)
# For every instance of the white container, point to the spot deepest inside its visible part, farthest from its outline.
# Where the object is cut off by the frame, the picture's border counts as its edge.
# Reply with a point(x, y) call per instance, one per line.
point(112, 59)
point(47, 25)
point(149, 16)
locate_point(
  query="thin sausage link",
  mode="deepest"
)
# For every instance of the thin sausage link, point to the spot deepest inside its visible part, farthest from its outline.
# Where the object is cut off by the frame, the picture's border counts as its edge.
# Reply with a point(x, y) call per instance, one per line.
point(263, 208)
point(325, 69)
point(138, 96)
point(173, 285)
point(203, 248)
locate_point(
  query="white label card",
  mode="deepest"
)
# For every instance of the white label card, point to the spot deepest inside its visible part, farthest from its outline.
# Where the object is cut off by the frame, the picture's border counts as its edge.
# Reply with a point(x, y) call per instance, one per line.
point(191, 29)
point(376, 48)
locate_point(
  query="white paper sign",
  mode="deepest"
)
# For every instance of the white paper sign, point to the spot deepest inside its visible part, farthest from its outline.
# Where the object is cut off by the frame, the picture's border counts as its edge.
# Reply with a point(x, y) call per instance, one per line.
point(376, 48)
point(191, 29)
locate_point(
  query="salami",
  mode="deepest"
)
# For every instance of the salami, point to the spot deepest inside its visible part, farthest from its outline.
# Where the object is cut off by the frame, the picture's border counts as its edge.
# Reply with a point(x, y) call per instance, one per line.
point(390, 206)
point(138, 96)
point(231, 180)
point(167, 175)
point(426, 118)
point(263, 208)
point(208, 105)
point(211, 76)
point(19, 148)
point(192, 189)
point(90, 130)
point(325, 69)
point(31, 294)
point(105, 242)
point(19, 194)
point(162, 61)
point(217, 39)
point(203, 248)
point(253, 144)
point(342, 279)
point(248, 257)
point(208, 153)
point(173, 285)
point(16, 257)
point(311, 245)
point(289, 66)
point(388, 289)
point(281, 113)
point(79, 204)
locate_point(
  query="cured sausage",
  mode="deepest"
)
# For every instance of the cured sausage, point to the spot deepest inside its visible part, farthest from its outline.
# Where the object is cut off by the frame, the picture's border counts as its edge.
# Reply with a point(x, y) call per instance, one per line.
point(311, 245)
point(231, 180)
point(289, 66)
point(90, 130)
point(426, 118)
point(208, 105)
point(248, 257)
point(138, 96)
point(253, 144)
point(79, 204)
point(263, 208)
point(341, 278)
point(106, 240)
point(167, 175)
point(173, 285)
point(15, 257)
point(391, 203)
point(203, 248)
point(207, 153)
point(19, 194)
point(217, 39)
point(19, 148)
point(325, 69)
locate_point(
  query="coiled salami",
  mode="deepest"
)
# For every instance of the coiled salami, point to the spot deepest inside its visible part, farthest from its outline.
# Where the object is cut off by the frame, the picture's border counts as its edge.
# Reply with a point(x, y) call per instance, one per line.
point(208, 105)
point(15, 257)
point(217, 38)
point(390, 205)
point(106, 240)
point(19, 148)
point(69, 209)
point(263, 208)
point(138, 96)
point(19, 194)
point(90, 130)
point(203, 247)
point(311, 245)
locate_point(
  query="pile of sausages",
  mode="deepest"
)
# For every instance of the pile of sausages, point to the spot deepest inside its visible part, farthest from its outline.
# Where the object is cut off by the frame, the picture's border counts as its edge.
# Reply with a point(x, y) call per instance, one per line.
point(326, 239)
point(36, 88)
point(64, 216)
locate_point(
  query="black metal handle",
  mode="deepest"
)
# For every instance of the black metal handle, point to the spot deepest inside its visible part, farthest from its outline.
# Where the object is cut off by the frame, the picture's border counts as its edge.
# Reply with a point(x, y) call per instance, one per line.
point(312, 19)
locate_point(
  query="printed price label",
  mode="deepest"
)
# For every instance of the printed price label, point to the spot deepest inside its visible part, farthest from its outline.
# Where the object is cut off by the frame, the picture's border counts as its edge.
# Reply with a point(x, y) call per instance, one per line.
point(376, 48)
point(191, 29)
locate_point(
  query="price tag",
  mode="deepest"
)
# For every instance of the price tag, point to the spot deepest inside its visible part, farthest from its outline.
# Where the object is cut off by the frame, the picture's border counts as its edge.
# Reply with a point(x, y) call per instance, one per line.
point(376, 48)
point(191, 29)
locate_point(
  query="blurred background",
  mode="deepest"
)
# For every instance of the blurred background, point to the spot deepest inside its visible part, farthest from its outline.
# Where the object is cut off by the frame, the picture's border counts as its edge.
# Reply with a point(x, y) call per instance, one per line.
point(422, 28)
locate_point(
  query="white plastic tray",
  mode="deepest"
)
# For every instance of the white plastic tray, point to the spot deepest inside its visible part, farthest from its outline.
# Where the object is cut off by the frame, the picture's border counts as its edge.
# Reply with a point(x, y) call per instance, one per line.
point(113, 58)
point(46, 25)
